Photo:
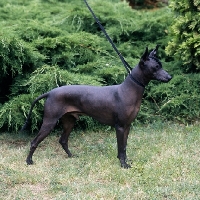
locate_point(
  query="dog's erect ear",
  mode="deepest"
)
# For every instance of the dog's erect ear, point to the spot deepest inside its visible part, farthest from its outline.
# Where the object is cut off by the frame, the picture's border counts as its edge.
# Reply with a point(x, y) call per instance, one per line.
point(145, 55)
point(154, 52)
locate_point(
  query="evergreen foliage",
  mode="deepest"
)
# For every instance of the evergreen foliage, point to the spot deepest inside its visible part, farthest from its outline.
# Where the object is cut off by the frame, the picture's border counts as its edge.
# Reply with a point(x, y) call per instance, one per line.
point(56, 77)
point(48, 43)
point(185, 43)
point(176, 101)
point(13, 113)
point(15, 54)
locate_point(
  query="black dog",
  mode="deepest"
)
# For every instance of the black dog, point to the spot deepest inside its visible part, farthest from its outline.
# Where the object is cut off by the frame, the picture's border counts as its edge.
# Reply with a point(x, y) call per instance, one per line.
point(115, 105)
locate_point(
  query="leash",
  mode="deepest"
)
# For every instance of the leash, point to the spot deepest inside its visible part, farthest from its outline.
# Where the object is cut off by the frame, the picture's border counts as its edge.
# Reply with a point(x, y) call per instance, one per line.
point(126, 65)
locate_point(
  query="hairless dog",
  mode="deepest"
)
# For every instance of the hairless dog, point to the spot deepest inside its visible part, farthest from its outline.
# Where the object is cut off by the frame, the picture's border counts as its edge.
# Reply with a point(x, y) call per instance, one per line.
point(115, 105)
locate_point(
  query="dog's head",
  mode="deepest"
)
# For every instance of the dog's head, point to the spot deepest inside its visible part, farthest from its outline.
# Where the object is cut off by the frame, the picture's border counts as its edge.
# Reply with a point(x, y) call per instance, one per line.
point(152, 67)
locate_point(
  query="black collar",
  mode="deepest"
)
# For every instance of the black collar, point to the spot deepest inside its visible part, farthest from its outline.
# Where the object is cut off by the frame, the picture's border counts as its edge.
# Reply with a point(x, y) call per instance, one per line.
point(137, 82)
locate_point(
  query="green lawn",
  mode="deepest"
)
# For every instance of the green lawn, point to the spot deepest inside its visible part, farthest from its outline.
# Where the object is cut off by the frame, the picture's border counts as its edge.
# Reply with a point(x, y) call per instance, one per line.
point(165, 165)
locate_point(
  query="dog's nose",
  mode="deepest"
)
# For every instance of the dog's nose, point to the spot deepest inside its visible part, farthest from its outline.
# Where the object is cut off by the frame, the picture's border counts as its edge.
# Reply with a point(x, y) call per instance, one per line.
point(169, 77)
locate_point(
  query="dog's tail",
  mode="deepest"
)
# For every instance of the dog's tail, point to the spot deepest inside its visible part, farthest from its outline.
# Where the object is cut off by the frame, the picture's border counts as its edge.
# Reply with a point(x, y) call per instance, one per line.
point(27, 123)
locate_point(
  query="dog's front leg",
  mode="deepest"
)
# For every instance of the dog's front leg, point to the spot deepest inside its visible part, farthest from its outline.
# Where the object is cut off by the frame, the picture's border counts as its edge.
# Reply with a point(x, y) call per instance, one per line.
point(122, 136)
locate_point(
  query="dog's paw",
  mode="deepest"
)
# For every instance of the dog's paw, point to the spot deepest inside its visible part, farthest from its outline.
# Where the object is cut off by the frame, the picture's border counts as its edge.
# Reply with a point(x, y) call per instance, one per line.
point(29, 162)
point(125, 165)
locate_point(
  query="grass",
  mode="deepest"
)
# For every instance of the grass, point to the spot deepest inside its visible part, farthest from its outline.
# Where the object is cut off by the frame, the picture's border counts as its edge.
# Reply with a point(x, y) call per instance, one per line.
point(165, 165)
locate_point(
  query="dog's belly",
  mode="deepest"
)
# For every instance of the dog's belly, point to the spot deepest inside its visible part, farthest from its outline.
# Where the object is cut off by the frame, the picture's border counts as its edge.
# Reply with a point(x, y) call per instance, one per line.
point(104, 119)
point(108, 120)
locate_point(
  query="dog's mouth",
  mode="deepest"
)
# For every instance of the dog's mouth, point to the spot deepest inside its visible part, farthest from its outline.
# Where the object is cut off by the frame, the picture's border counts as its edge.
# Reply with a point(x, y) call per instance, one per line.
point(163, 76)
point(165, 79)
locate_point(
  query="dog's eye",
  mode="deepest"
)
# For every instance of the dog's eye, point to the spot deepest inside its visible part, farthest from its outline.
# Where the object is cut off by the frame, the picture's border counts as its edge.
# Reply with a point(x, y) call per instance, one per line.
point(157, 67)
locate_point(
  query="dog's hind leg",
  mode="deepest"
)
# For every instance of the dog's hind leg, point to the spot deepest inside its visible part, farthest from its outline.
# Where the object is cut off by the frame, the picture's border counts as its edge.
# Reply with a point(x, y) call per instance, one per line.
point(68, 124)
point(46, 128)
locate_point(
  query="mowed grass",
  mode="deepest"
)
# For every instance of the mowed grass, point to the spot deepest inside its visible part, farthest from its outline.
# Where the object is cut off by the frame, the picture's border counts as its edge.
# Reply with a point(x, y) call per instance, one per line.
point(165, 165)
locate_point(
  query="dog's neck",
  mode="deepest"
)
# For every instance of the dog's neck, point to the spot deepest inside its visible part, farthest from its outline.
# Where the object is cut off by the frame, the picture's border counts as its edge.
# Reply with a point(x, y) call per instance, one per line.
point(134, 82)
point(138, 77)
